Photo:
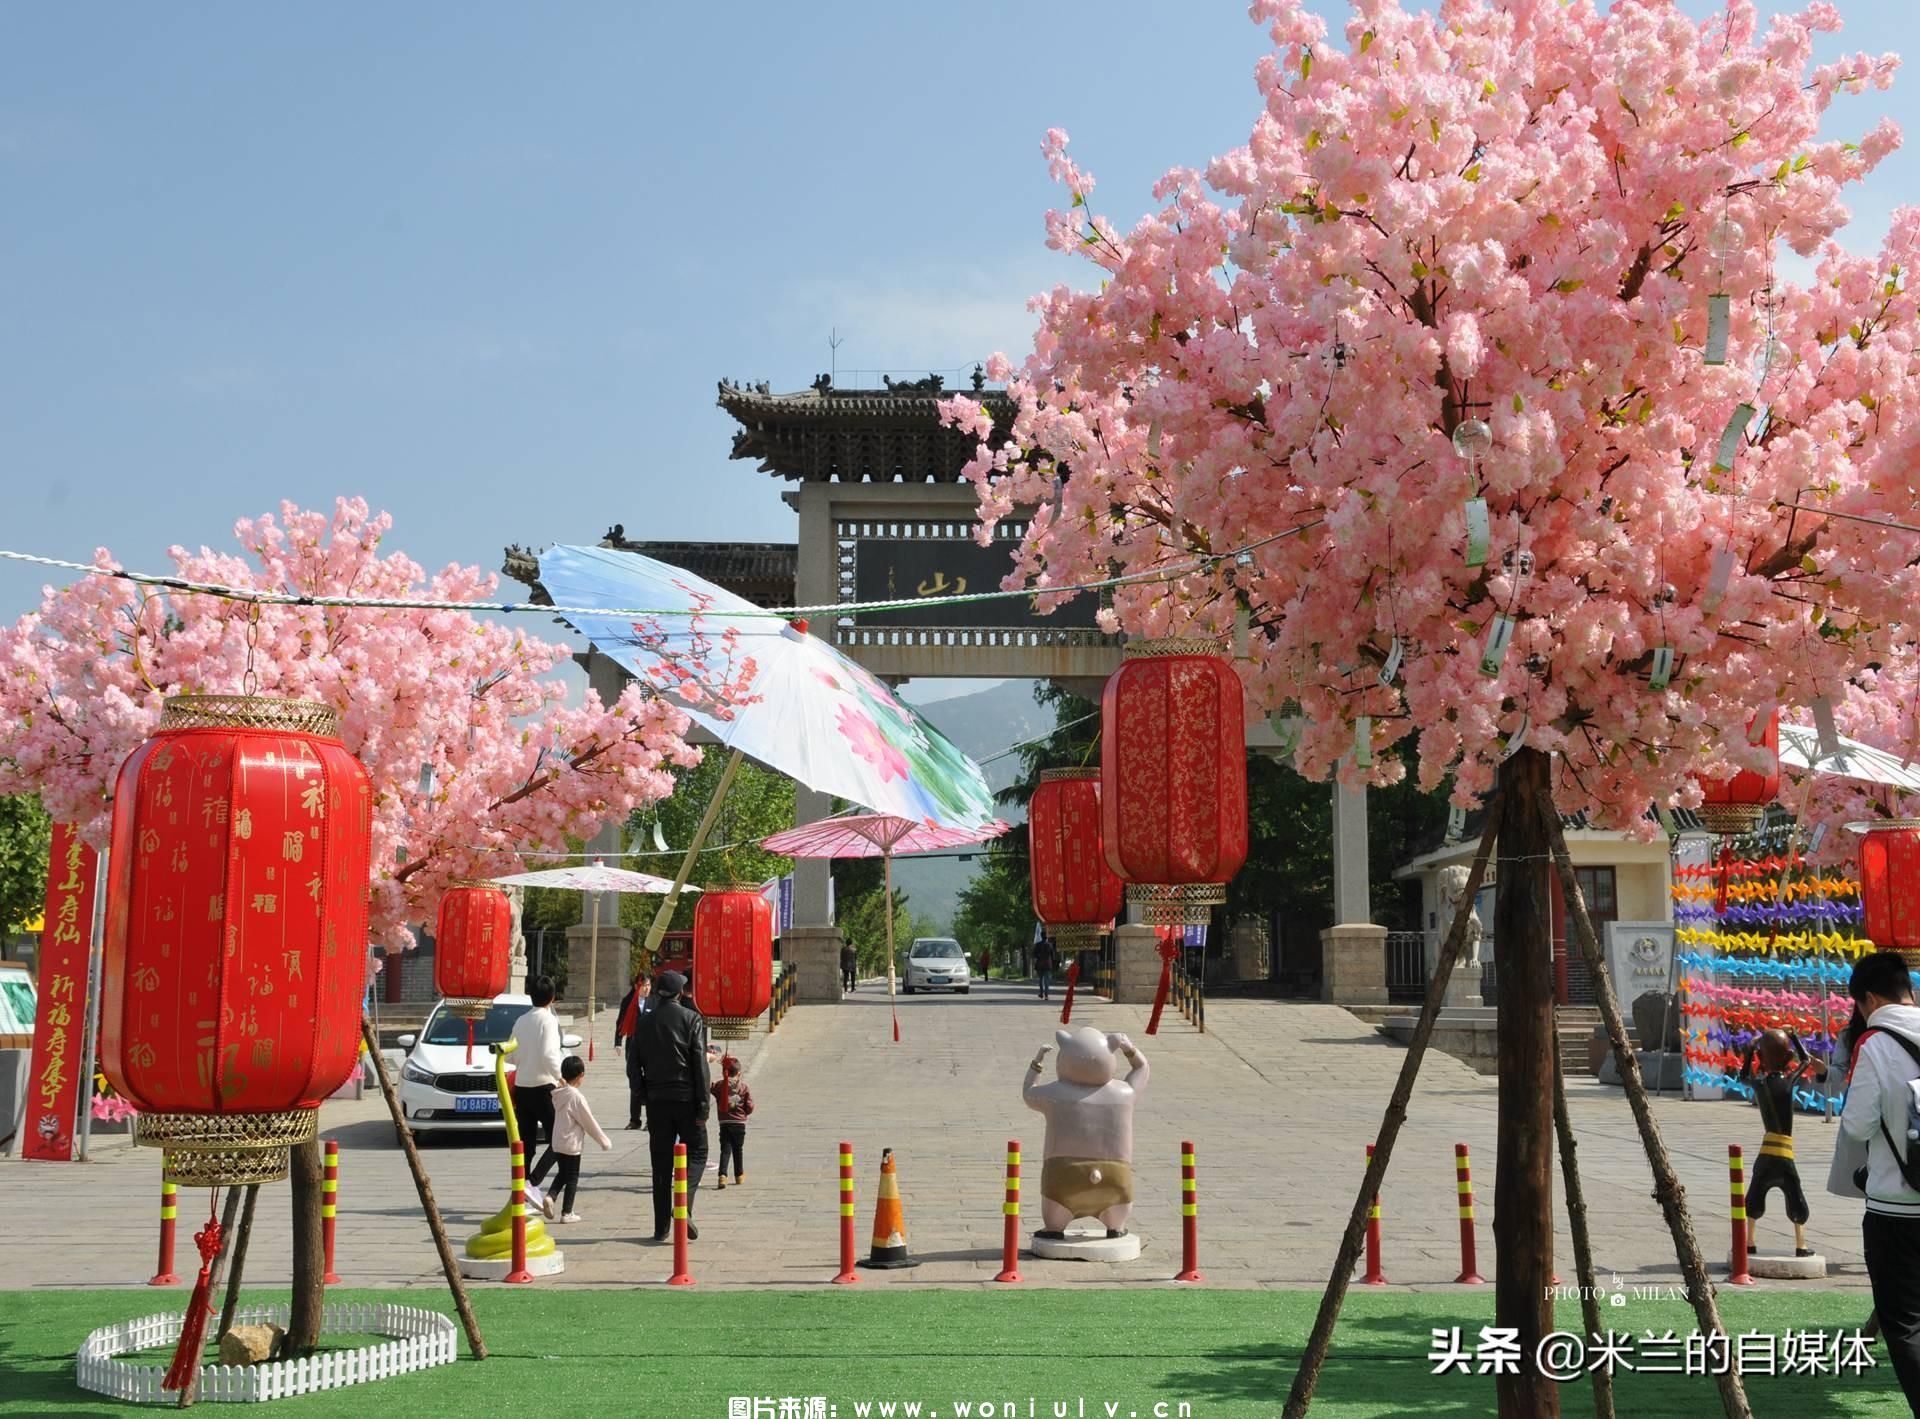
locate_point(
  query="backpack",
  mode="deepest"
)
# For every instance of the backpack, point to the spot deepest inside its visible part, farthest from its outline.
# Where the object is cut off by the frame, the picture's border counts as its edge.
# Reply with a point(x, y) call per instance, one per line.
point(1908, 1165)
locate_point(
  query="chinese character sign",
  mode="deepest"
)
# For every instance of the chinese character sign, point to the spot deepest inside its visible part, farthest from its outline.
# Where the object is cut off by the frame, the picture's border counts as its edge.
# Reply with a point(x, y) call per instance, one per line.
point(59, 1028)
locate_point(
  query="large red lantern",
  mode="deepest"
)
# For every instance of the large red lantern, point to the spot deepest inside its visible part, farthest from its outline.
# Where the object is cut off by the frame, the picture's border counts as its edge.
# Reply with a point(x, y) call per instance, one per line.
point(1173, 778)
point(1737, 805)
point(1075, 893)
point(1890, 885)
point(733, 958)
point(236, 932)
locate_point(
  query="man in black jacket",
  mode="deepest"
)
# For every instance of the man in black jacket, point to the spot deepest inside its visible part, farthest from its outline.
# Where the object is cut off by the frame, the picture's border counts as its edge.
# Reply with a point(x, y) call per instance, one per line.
point(672, 1044)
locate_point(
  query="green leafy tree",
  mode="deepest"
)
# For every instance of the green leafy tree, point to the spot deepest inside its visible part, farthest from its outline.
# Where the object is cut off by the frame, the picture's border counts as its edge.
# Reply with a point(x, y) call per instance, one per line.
point(996, 909)
point(863, 923)
point(25, 833)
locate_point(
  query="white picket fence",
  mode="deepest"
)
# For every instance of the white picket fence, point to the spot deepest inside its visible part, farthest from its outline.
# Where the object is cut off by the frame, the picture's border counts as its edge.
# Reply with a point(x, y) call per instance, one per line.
point(420, 1339)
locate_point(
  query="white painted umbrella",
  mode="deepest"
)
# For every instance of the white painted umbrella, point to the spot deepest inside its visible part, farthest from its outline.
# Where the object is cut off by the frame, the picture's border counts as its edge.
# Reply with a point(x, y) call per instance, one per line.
point(1800, 749)
point(595, 879)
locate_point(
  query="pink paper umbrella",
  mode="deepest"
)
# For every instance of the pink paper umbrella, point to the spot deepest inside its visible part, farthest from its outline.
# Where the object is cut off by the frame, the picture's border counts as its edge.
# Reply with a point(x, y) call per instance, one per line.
point(876, 835)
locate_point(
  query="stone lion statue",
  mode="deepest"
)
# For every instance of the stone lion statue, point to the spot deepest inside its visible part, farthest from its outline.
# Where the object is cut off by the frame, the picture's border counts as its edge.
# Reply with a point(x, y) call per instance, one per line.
point(1453, 886)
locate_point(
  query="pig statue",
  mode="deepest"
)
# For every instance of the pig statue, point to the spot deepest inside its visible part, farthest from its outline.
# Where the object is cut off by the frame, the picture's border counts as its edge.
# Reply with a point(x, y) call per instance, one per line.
point(1088, 1170)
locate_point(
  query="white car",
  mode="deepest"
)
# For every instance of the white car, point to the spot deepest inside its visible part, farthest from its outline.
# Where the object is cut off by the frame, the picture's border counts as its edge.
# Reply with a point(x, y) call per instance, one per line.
point(937, 963)
point(440, 1092)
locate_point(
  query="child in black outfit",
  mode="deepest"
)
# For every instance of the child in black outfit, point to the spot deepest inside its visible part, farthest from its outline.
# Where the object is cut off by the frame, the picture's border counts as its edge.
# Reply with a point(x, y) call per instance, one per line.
point(733, 1101)
point(1773, 1092)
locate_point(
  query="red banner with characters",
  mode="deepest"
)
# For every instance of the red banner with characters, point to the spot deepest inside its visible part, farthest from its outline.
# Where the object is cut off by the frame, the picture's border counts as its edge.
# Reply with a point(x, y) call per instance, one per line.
point(60, 1023)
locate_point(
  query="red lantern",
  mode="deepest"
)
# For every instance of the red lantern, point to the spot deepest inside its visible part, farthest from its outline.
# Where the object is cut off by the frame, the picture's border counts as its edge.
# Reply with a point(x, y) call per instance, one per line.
point(472, 944)
point(1736, 805)
point(1890, 885)
point(1173, 778)
point(733, 958)
point(236, 932)
point(1074, 891)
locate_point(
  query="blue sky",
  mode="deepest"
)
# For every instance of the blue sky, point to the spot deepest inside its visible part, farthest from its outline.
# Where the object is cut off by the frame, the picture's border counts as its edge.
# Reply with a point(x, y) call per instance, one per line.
point(484, 264)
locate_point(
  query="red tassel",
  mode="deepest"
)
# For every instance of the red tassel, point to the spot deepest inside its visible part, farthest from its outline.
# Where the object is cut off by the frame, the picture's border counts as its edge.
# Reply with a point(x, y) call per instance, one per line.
point(1073, 979)
point(1160, 996)
point(1726, 866)
point(896, 1024)
point(469, 1042)
point(193, 1332)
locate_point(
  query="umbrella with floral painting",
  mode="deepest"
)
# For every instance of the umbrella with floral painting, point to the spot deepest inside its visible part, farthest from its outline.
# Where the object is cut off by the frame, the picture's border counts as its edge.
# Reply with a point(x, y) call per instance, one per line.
point(810, 712)
point(876, 835)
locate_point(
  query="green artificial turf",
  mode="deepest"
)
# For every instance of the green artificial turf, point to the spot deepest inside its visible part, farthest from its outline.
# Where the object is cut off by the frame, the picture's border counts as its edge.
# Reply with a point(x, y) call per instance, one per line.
point(1224, 1353)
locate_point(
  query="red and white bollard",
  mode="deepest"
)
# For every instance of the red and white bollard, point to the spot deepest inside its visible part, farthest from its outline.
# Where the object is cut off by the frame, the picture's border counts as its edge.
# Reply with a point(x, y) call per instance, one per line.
point(517, 1208)
point(1737, 1273)
point(847, 1276)
point(1189, 1217)
point(680, 1275)
point(1469, 1274)
point(1010, 1241)
point(1375, 1276)
point(329, 1201)
point(163, 1273)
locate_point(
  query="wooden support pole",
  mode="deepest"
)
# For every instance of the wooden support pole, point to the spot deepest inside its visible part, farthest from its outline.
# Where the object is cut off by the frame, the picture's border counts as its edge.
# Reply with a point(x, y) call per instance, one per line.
point(236, 1277)
point(1308, 1375)
point(1582, 1242)
point(1667, 1190)
point(448, 1263)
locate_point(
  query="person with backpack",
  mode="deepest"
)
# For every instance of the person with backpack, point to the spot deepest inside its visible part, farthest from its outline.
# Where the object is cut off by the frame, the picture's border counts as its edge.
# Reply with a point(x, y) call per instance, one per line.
point(1882, 1112)
point(1044, 958)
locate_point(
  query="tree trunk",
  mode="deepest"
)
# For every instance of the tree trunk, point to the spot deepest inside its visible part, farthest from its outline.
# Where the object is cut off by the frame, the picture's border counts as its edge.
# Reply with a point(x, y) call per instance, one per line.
point(1523, 1171)
point(1582, 1244)
point(309, 1252)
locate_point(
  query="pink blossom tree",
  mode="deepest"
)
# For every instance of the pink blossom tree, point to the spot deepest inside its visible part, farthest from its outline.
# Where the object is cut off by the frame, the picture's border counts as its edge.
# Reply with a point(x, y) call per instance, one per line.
point(1487, 346)
point(474, 753)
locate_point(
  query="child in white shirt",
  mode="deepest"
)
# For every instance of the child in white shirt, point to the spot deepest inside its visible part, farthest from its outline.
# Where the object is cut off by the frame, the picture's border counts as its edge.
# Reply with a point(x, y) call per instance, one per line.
point(572, 1121)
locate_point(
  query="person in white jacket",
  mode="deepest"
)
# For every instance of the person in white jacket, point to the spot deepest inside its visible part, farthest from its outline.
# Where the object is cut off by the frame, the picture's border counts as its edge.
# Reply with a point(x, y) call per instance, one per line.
point(1879, 1112)
point(573, 1120)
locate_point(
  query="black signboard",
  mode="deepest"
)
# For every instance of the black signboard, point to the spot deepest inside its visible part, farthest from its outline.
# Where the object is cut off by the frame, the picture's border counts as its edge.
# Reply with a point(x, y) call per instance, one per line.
point(893, 570)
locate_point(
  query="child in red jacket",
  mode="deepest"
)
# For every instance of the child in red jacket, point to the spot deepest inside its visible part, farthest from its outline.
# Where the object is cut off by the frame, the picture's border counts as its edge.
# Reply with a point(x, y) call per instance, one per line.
point(732, 1101)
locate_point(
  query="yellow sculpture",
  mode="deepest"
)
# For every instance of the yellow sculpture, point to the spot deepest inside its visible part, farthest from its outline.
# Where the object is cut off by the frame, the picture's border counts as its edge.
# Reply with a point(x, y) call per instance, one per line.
point(494, 1241)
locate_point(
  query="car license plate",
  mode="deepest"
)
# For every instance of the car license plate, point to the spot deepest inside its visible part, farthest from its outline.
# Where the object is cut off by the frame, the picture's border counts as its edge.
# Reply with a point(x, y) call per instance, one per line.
point(476, 1104)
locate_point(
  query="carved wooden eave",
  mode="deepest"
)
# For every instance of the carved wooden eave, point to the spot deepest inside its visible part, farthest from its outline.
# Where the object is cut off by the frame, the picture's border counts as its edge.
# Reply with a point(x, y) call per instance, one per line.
point(891, 435)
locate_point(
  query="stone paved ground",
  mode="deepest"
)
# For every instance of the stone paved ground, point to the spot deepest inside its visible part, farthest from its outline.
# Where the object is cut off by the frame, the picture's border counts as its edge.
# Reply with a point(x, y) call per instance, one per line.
point(1279, 1097)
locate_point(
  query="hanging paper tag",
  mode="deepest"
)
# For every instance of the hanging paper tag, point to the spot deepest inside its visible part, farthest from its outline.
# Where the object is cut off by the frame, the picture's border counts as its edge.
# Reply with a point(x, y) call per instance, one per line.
point(1392, 668)
point(1242, 630)
point(1719, 307)
point(1479, 532)
point(1286, 730)
point(1516, 740)
point(1059, 496)
point(1499, 637)
point(659, 837)
point(1730, 437)
point(1665, 815)
point(1456, 823)
point(1153, 440)
point(1819, 836)
point(1757, 726)
point(426, 780)
point(1718, 577)
point(1363, 741)
point(1662, 667)
point(1823, 721)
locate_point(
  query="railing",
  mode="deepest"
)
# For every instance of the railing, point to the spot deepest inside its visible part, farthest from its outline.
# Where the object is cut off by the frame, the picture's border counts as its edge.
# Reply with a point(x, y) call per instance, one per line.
point(1187, 992)
point(783, 993)
point(1097, 968)
point(1406, 965)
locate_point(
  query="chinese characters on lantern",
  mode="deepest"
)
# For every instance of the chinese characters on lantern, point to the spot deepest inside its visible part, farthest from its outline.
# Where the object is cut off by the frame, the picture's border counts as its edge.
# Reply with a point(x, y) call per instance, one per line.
point(58, 1065)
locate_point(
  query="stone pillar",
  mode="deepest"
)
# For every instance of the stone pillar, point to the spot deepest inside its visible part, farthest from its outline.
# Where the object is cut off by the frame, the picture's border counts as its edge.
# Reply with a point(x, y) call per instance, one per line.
point(611, 977)
point(1352, 894)
point(517, 954)
point(815, 583)
point(1247, 950)
point(608, 682)
point(812, 953)
point(1136, 965)
point(1353, 964)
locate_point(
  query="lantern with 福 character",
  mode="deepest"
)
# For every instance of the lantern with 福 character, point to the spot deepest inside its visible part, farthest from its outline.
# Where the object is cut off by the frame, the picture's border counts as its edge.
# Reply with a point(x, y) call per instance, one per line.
point(1890, 886)
point(1736, 805)
point(472, 948)
point(1173, 778)
point(1075, 894)
point(733, 958)
point(236, 932)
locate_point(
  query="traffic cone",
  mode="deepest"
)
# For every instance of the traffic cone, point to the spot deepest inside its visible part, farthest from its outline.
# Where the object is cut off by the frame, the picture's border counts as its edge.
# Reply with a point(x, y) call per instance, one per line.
point(889, 1223)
